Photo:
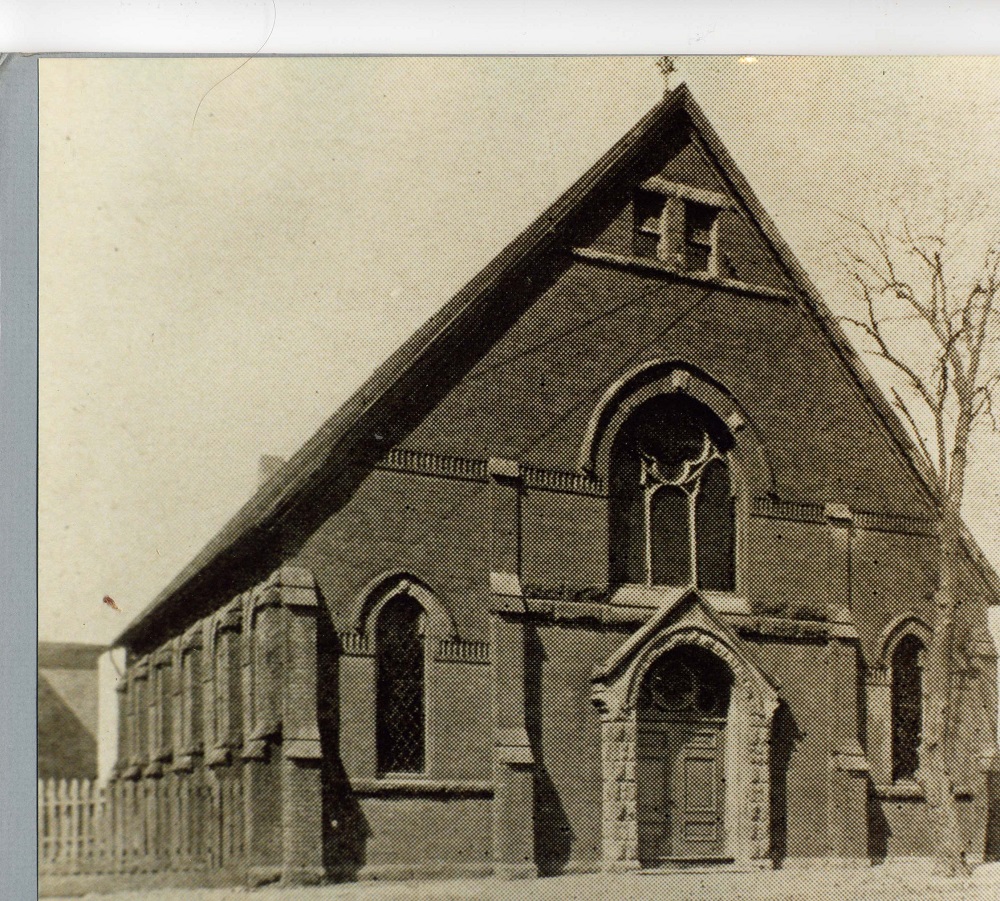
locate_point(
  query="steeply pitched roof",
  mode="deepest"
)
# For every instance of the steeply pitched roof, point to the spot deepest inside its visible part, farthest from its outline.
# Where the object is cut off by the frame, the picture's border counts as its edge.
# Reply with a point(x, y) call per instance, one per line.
point(331, 445)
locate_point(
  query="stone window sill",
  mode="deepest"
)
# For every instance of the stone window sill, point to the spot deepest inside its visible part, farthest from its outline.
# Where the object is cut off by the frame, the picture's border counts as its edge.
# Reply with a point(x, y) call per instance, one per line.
point(421, 785)
point(911, 791)
point(637, 594)
point(658, 267)
point(900, 791)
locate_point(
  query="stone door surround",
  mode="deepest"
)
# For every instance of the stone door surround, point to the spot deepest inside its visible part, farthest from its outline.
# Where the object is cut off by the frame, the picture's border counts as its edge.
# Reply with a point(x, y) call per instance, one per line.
point(686, 620)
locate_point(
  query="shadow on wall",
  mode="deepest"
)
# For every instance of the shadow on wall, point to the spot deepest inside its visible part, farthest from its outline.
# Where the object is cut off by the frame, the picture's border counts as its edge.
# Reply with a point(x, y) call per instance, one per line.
point(553, 833)
point(345, 829)
point(785, 735)
point(878, 829)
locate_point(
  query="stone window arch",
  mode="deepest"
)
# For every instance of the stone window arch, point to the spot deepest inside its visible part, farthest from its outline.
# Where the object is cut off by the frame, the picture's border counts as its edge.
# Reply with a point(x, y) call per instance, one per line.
point(895, 702)
point(672, 514)
point(738, 456)
point(399, 622)
point(383, 588)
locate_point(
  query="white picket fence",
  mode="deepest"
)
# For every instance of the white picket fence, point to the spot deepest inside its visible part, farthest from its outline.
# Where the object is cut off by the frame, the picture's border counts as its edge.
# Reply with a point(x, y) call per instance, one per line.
point(179, 822)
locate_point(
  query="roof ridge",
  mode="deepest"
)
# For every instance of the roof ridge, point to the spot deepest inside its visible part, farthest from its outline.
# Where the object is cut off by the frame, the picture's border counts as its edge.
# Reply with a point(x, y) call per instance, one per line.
point(294, 476)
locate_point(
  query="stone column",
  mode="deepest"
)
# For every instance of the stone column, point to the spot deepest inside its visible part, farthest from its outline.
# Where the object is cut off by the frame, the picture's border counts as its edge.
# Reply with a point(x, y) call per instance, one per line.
point(301, 788)
point(878, 737)
point(847, 814)
point(619, 824)
point(140, 715)
point(110, 685)
point(504, 503)
point(513, 761)
point(262, 798)
point(188, 700)
point(124, 703)
point(986, 813)
point(839, 519)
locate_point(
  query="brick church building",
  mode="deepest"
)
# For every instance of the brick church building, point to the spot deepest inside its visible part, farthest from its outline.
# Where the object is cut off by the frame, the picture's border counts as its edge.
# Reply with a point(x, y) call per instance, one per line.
point(621, 561)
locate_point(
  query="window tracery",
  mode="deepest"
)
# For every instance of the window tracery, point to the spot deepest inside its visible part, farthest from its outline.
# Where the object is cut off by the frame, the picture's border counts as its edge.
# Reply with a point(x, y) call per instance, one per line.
point(672, 511)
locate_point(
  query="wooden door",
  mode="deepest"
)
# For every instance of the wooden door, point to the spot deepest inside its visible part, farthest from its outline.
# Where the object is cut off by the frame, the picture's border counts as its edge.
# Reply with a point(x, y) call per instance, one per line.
point(681, 791)
point(697, 790)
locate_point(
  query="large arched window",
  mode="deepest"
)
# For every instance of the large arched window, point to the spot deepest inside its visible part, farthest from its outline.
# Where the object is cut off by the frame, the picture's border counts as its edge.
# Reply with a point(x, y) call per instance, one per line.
point(400, 686)
point(671, 501)
point(907, 707)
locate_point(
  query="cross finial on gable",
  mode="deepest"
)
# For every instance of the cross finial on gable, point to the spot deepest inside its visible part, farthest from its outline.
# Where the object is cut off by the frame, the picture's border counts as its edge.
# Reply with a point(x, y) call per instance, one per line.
point(667, 68)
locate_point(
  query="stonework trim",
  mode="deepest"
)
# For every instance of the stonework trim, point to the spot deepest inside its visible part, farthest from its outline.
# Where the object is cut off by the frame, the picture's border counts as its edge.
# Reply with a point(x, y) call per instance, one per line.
point(382, 589)
point(468, 469)
point(896, 631)
point(659, 377)
point(747, 803)
point(688, 192)
point(667, 269)
point(458, 651)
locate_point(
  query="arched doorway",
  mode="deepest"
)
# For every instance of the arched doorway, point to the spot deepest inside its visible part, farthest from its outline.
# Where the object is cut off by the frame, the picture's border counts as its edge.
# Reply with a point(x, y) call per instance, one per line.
point(682, 720)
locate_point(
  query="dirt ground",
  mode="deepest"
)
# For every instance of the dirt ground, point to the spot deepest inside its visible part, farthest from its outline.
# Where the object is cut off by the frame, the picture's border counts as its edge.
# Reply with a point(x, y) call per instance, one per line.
point(876, 884)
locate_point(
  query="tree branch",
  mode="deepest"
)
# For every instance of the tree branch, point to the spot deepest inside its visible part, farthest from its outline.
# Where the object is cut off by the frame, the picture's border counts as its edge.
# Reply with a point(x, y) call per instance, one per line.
point(921, 443)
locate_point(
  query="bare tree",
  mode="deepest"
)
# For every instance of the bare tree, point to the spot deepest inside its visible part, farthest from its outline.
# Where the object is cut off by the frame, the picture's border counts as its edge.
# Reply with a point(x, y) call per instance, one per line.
point(929, 315)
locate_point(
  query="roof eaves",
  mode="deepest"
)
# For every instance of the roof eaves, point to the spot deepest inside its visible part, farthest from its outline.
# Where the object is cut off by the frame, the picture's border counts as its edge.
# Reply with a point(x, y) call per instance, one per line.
point(810, 293)
point(281, 489)
point(828, 322)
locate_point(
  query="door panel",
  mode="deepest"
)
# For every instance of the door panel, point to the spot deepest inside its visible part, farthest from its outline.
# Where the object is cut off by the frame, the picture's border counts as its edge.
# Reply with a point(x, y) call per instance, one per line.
point(681, 794)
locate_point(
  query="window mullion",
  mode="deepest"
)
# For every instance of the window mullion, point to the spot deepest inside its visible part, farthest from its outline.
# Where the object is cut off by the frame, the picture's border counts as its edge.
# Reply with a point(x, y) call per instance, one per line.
point(692, 529)
point(647, 500)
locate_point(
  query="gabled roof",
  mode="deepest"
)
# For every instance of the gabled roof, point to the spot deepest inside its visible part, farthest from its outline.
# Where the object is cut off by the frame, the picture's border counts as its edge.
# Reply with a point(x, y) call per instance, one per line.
point(331, 446)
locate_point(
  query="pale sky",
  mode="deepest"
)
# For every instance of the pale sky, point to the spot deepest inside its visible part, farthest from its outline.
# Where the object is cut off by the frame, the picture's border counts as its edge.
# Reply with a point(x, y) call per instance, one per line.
point(212, 287)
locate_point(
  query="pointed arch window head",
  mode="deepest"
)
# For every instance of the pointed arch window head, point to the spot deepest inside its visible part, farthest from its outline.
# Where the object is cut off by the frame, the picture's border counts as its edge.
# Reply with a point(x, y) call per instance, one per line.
point(671, 500)
point(399, 648)
point(907, 707)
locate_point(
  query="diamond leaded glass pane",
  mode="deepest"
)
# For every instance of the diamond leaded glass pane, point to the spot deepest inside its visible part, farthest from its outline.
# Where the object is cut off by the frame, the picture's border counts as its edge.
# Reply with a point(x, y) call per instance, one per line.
point(907, 708)
point(400, 691)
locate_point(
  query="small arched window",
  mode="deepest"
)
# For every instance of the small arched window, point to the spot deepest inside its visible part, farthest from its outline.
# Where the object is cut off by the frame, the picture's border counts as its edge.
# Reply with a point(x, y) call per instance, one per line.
point(400, 734)
point(671, 505)
point(907, 707)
